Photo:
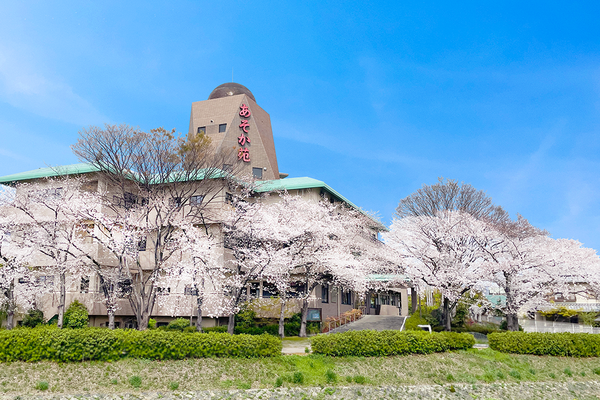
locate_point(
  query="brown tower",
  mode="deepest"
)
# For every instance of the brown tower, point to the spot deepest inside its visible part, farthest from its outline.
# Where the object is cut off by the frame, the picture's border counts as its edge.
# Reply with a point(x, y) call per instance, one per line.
point(233, 121)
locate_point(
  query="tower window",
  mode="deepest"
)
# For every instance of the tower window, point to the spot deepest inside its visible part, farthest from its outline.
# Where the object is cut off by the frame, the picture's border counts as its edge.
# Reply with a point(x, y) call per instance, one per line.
point(202, 130)
point(222, 128)
point(257, 173)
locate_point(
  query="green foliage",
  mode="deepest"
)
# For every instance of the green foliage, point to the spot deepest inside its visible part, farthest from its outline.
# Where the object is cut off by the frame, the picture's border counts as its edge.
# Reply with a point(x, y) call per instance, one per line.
point(64, 345)
point(587, 318)
point(330, 376)
point(33, 318)
point(298, 378)
point(245, 319)
point(271, 329)
point(135, 381)
point(559, 312)
point(216, 329)
point(387, 343)
point(174, 385)
point(279, 381)
point(552, 344)
point(42, 385)
point(76, 316)
point(462, 312)
point(151, 323)
point(412, 322)
point(178, 324)
point(483, 328)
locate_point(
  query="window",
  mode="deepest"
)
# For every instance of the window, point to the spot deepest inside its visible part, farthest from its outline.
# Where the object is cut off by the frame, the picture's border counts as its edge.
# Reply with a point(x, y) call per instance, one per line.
point(190, 291)
point(346, 297)
point(268, 291)
point(176, 201)
point(141, 246)
point(196, 200)
point(222, 128)
point(385, 300)
point(254, 290)
point(325, 293)
point(257, 172)
point(297, 289)
point(202, 130)
point(128, 200)
point(84, 286)
point(124, 287)
point(45, 280)
point(373, 300)
point(228, 198)
point(227, 167)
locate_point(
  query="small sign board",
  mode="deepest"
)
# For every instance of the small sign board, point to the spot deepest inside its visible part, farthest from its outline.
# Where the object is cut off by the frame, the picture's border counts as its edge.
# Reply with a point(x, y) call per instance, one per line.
point(314, 314)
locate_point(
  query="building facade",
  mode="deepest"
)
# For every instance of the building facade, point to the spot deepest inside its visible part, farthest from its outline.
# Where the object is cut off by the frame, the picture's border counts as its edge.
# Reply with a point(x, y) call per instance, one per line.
point(235, 123)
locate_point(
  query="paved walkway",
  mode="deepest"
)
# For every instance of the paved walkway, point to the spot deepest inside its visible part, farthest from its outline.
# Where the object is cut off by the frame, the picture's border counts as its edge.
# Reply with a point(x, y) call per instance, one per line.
point(373, 322)
point(295, 345)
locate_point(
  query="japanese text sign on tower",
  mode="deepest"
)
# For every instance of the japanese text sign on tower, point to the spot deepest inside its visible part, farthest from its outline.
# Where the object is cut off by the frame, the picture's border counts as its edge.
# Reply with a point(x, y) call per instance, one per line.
point(245, 111)
point(243, 153)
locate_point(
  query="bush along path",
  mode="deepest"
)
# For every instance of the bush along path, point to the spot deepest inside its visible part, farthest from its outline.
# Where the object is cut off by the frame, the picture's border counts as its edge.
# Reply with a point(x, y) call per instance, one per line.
point(67, 345)
point(389, 343)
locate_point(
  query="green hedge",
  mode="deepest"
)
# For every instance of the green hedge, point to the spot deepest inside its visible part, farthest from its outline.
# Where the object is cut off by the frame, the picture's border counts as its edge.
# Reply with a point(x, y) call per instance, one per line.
point(552, 344)
point(387, 343)
point(49, 343)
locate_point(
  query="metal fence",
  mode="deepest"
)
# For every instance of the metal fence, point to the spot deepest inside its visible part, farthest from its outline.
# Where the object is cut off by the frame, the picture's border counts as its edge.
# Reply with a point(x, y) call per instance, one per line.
point(531, 325)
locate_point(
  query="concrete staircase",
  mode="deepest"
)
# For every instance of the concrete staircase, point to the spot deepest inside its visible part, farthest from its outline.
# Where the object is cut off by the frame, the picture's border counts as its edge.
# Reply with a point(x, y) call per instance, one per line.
point(373, 322)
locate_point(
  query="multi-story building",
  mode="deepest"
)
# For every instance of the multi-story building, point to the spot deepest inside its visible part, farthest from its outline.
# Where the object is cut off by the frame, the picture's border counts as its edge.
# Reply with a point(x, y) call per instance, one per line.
point(232, 119)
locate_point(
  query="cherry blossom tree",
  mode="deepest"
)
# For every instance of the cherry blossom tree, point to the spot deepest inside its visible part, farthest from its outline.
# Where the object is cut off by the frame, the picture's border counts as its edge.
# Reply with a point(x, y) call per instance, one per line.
point(17, 289)
point(441, 251)
point(316, 242)
point(197, 270)
point(156, 183)
point(46, 216)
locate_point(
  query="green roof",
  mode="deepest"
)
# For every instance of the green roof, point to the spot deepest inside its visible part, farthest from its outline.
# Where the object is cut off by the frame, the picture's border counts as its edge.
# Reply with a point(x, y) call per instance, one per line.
point(288, 184)
point(82, 168)
point(387, 277)
point(266, 186)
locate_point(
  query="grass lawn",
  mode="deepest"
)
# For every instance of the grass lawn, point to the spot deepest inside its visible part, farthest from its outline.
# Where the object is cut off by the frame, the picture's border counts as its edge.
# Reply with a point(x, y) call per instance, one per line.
point(472, 366)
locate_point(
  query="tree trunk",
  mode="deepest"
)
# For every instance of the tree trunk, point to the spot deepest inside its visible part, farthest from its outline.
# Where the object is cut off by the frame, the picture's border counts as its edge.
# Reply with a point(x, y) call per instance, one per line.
point(413, 300)
point(231, 324)
point(62, 300)
point(9, 320)
point(111, 318)
point(282, 320)
point(447, 317)
point(143, 322)
point(512, 322)
point(304, 317)
point(10, 311)
point(199, 314)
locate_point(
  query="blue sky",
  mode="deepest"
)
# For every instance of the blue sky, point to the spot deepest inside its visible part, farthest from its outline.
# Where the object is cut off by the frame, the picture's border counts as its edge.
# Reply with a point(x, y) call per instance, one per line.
point(374, 98)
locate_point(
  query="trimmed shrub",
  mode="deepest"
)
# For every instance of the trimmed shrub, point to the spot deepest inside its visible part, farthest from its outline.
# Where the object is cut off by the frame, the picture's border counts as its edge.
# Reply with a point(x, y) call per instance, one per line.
point(387, 343)
point(412, 322)
point(33, 318)
point(218, 329)
point(257, 330)
point(178, 324)
point(50, 343)
point(76, 316)
point(552, 344)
